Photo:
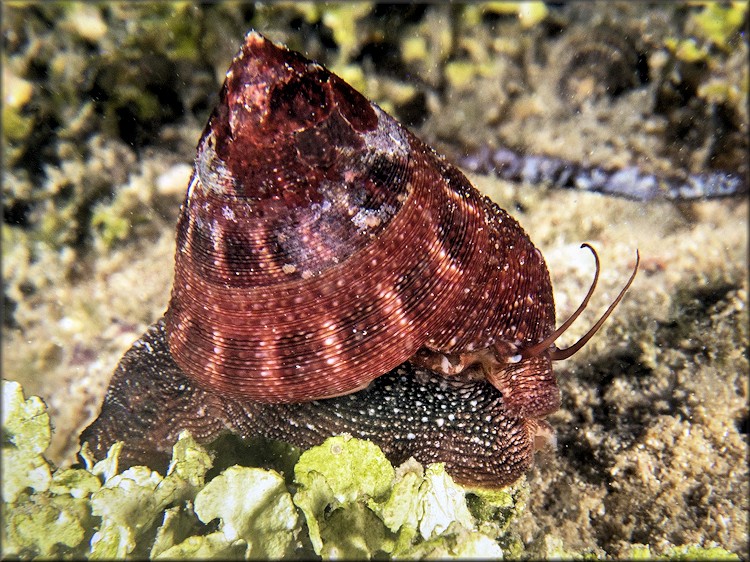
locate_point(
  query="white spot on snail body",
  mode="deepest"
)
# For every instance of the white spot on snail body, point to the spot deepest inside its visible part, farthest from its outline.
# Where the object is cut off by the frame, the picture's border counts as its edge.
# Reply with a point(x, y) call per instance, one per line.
point(445, 365)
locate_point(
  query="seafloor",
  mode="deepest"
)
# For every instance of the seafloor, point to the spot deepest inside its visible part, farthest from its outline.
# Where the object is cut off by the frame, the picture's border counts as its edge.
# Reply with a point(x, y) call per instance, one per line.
point(103, 106)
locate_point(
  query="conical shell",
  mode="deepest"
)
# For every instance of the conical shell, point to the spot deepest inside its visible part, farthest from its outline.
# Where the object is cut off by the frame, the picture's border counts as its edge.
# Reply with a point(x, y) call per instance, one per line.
point(321, 244)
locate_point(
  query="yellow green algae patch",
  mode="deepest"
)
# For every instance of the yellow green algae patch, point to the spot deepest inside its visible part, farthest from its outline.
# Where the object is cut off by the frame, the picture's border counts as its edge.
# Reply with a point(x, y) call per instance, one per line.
point(688, 552)
point(357, 505)
point(26, 435)
point(354, 503)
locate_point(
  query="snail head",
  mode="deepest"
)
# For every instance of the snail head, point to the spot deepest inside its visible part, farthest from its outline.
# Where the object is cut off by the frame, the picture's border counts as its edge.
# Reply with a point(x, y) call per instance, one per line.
point(525, 375)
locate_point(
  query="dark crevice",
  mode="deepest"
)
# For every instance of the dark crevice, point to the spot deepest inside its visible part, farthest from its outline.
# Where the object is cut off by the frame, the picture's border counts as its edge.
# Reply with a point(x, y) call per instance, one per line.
point(137, 119)
point(403, 13)
point(691, 309)
point(9, 310)
point(582, 457)
point(743, 425)
point(384, 56)
point(17, 213)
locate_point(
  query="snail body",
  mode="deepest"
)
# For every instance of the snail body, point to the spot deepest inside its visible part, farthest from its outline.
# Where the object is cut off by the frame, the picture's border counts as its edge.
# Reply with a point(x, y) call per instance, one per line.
point(322, 247)
point(410, 411)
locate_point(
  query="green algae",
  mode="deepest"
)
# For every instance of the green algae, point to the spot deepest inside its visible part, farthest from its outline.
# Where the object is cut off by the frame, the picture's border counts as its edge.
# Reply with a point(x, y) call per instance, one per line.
point(354, 503)
point(529, 14)
point(686, 552)
point(26, 435)
point(719, 24)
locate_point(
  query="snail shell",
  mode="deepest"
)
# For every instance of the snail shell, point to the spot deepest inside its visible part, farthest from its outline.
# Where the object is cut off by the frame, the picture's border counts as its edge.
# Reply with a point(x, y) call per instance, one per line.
point(321, 244)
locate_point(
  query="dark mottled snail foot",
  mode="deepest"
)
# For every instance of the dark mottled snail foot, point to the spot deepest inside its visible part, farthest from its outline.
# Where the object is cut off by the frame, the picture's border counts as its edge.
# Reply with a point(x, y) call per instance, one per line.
point(148, 403)
point(414, 412)
point(410, 411)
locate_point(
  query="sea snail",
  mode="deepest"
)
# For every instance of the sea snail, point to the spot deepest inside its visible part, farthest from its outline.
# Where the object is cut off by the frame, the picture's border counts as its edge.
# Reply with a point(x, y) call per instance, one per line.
point(330, 265)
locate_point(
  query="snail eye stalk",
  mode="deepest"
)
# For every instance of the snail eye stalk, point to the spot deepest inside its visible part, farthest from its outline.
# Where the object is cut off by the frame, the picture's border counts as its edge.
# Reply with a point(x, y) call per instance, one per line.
point(557, 354)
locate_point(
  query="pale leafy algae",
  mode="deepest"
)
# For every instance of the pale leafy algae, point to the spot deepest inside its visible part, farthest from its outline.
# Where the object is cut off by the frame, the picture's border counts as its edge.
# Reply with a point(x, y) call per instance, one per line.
point(26, 435)
point(254, 506)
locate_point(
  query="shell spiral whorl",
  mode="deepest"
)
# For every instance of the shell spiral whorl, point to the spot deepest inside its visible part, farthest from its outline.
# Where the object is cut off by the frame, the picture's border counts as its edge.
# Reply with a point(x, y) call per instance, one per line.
point(321, 244)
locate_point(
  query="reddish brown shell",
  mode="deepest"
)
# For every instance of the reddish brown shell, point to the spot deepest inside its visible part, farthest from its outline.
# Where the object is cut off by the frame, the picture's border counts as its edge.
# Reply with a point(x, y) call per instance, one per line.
point(321, 244)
